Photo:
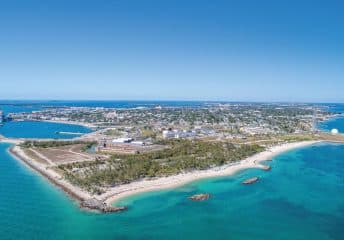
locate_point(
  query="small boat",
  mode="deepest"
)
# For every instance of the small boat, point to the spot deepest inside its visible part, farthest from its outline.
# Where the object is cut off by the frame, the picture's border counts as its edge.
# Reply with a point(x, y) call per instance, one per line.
point(200, 197)
point(250, 180)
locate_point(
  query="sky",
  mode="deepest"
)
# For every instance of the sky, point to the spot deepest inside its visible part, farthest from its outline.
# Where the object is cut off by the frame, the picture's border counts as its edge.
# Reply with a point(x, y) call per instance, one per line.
point(233, 50)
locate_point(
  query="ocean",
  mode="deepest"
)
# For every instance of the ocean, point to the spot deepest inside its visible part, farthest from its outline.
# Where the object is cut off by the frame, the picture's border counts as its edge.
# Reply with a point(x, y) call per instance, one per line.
point(335, 123)
point(35, 129)
point(302, 197)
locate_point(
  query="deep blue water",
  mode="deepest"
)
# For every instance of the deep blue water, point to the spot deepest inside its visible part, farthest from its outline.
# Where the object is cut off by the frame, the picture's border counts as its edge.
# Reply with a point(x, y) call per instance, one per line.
point(26, 106)
point(334, 107)
point(34, 129)
point(337, 123)
point(19, 108)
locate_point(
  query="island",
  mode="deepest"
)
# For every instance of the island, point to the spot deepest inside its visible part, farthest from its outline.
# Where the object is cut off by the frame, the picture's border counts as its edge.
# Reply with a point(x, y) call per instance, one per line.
point(138, 150)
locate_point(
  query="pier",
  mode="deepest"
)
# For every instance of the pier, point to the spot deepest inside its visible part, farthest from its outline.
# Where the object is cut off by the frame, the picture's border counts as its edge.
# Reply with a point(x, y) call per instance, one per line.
point(69, 133)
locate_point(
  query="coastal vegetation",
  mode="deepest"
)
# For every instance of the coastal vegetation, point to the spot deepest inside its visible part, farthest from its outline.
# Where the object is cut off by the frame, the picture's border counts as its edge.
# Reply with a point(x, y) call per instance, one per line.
point(50, 144)
point(113, 132)
point(181, 156)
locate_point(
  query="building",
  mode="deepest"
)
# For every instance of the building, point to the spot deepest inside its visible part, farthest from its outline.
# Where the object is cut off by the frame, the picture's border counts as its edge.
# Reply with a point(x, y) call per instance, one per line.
point(168, 134)
point(178, 134)
point(122, 140)
point(111, 115)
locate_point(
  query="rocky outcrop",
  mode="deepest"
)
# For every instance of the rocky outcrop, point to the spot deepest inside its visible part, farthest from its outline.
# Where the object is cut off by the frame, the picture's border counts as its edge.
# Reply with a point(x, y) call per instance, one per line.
point(266, 167)
point(200, 197)
point(250, 180)
point(95, 204)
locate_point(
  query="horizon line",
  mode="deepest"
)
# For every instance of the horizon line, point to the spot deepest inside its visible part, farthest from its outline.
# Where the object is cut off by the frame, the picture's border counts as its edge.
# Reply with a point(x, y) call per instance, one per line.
point(173, 100)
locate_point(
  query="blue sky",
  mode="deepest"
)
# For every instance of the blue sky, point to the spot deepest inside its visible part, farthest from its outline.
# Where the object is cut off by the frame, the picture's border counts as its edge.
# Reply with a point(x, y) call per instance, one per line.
point(244, 50)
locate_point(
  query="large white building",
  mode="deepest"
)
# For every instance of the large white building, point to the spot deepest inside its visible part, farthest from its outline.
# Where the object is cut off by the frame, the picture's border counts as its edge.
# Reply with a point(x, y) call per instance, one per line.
point(178, 134)
point(122, 140)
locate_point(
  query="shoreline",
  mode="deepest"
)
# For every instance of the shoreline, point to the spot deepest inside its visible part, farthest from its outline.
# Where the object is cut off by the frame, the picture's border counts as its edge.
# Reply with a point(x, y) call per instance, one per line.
point(126, 190)
point(112, 195)
point(70, 189)
point(87, 125)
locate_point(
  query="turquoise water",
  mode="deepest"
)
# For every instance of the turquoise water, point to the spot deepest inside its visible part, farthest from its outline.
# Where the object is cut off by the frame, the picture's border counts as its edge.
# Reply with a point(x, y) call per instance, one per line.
point(34, 129)
point(302, 197)
point(337, 123)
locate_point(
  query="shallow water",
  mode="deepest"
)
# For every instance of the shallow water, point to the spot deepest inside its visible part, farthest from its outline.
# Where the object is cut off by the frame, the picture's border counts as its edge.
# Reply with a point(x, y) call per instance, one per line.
point(302, 197)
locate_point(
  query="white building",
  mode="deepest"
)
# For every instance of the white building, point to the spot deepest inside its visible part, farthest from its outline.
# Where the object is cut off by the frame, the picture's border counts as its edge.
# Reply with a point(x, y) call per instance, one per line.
point(178, 134)
point(111, 115)
point(122, 140)
point(168, 134)
point(334, 131)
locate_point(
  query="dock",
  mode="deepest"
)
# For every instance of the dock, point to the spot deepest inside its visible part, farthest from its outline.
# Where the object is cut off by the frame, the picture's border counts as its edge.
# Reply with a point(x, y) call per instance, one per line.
point(69, 133)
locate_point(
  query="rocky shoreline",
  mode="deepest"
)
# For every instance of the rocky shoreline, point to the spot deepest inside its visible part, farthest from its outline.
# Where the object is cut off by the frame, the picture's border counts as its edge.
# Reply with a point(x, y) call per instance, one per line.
point(200, 197)
point(95, 204)
point(85, 200)
point(250, 180)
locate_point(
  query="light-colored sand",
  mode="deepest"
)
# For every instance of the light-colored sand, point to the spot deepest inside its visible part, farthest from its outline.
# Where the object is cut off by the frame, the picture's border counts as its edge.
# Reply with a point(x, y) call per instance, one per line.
point(49, 173)
point(10, 140)
point(126, 190)
point(88, 125)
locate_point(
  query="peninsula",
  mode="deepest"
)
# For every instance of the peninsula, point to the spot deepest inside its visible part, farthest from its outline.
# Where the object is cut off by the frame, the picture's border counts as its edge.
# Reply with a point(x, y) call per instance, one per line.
point(162, 148)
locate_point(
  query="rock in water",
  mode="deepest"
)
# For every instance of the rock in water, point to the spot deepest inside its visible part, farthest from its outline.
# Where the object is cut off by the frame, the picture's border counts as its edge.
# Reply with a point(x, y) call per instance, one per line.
point(95, 204)
point(266, 167)
point(250, 180)
point(200, 197)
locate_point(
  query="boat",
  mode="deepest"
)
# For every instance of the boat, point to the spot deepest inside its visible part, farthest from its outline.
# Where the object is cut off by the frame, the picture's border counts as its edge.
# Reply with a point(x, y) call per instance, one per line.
point(250, 180)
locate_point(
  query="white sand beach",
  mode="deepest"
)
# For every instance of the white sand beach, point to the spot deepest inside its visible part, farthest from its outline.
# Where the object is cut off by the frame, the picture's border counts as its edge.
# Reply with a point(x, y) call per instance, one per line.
point(125, 190)
point(50, 174)
point(114, 194)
